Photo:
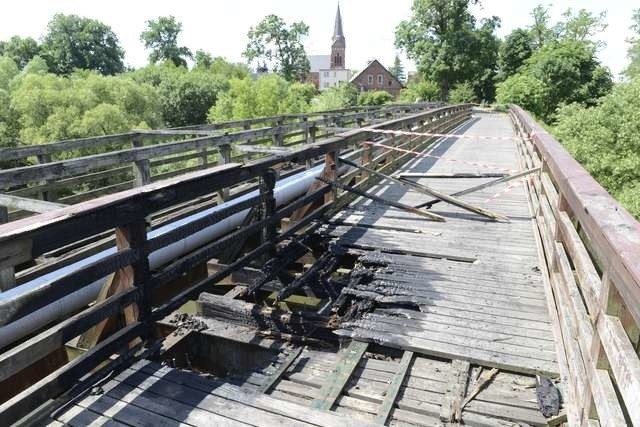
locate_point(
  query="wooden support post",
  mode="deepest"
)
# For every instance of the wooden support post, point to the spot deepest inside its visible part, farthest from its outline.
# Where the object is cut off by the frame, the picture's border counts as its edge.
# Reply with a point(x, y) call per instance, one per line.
point(131, 236)
point(204, 161)
point(394, 388)
point(225, 157)
point(7, 274)
point(331, 389)
point(141, 168)
point(330, 172)
point(267, 184)
point(47, 195)
point(278, 136)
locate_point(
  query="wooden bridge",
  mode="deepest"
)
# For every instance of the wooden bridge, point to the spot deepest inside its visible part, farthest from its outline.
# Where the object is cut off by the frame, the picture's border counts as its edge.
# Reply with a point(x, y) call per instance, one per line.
point(401, 265)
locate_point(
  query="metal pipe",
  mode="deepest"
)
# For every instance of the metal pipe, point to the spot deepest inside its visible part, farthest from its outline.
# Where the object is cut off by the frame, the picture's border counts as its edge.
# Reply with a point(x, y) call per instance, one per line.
point(285, 191)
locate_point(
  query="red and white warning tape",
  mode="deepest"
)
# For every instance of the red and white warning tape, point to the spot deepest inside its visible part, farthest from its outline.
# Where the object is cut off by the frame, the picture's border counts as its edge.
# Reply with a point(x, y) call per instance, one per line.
point(443, 135)
point(418, 154)
point(504, 191)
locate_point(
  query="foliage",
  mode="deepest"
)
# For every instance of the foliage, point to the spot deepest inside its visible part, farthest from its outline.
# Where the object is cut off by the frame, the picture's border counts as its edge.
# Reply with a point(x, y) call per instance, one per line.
point(161, 36)
point(443, 39)
point(50, 107)
point(462, 93)
point(21, 50)
point(540, 29)
point(526, 91)
point(185, 96)
point(514, 51)
point(633, 69)
point(420, 91)
point(272, 41)
point(73, 42)
point(203, 59)
point(269, 95)
point(398, 70)
point(341, 96)
point(604, 138)
point(378, 97)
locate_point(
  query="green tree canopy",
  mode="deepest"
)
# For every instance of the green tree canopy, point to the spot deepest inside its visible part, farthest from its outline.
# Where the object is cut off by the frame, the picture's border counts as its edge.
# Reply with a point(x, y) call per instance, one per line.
point(161, 36)
point(271, 40)
point(420, 91)
point(633, 53)
point(462, 93)
point(443, 39)
point(377, 97)
point(341, 96)
point(526, 91)
point(73, 42)
point(21, 50)
point(514, 51)
point(397, 69)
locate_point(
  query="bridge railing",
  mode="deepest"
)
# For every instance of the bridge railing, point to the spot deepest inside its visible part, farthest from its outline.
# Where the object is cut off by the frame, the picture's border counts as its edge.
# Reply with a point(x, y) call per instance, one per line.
point(72, 171)
point(592, 248)
point(135, 282)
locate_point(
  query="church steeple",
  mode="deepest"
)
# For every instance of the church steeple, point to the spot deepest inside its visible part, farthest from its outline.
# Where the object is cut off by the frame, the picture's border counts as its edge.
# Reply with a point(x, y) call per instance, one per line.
point(337, 28)
point(338, 46)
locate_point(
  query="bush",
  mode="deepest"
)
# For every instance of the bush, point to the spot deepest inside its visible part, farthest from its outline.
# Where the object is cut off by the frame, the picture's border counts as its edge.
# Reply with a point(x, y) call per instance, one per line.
point(525, 91)
point(604, 139)
point(462, 93)
point(342, 96)
point(378, 97)
point(420, 91)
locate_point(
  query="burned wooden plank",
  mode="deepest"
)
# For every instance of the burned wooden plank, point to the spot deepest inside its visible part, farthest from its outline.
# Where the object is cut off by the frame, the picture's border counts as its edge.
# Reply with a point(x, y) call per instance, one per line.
point(332, 388)
point(284, 366)
point(401, 206)
point(456, 390)
point(394, 388)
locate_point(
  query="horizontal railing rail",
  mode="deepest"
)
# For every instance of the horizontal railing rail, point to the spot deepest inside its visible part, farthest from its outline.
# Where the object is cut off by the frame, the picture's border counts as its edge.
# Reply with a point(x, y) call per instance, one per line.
point(132, 274)
point(592, 248)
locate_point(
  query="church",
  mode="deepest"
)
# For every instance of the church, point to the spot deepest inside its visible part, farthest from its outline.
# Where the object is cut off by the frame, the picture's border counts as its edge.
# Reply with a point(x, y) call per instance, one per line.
point(326, 71)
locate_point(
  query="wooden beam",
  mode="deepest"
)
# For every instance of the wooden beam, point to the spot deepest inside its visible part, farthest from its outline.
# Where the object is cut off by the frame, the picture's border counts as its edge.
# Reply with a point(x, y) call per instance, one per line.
point(482, 186)
point(394, 388)
point(401, 206)
point(421, 188)
point(30, 205)
point(331, 389)
point(456, 389)
point(275, 377)
point(414, 175)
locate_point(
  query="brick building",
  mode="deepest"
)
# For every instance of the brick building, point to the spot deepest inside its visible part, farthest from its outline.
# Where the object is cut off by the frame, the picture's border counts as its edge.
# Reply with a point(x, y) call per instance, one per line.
point(376, 77)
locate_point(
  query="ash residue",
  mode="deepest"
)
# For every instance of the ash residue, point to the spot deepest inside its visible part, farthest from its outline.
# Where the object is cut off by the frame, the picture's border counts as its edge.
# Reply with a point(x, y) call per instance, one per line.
point(185, 322)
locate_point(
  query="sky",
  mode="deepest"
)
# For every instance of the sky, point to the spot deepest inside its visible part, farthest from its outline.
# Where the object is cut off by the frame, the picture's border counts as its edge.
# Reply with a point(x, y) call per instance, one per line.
point(220, 26)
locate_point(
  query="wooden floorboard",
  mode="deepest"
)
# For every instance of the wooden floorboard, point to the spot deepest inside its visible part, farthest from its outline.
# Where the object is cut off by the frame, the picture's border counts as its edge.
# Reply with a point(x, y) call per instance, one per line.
point(475, 283)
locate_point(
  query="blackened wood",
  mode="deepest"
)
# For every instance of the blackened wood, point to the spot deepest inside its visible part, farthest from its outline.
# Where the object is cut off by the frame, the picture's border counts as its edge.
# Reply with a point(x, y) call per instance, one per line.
point(284, 366)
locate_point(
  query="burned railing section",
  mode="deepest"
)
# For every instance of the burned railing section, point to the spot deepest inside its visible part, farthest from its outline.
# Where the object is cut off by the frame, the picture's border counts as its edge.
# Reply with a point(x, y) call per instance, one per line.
point(592, 251)
point(138, 281)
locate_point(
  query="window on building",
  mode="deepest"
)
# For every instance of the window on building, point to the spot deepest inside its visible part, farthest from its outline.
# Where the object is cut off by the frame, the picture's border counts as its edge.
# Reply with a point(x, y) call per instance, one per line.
point(326, 84)
point(370, 79)
point(389, 82)
point(334, 74)
point(326, 74)
point(380, 79)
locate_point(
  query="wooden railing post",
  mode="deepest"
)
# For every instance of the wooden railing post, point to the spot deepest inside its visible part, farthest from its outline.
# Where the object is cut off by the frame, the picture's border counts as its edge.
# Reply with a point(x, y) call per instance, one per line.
point(141, 169)
point(134, 236)
point(278, 136)
point(330, 173)
point(267, 185)
point(47, 195)
point(7, 274)
point(225, 157)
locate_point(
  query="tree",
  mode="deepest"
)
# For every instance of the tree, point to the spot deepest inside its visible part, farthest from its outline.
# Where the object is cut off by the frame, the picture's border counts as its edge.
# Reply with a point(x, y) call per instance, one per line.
point(514, 51)
point(271, 40)
point(442, 38)
point(524, 90)
point(341, 96)
point(633, 69)
point(203, 59)
point(74, 42)
point(161, 36)
point(540, 29)
point(398, 69)
point(462, 93)
point(580, 26)
point(21, 50)
point(420, 91)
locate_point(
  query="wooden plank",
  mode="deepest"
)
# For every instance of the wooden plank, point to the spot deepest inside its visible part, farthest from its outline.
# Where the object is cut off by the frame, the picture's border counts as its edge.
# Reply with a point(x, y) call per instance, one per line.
point(284, 366)
point(394, 387)
point(342, 372)
point(26, 204)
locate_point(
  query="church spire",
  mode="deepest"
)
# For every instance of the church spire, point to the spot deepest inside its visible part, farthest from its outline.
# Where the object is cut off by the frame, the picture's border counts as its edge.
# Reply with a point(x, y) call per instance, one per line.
point(337, 28)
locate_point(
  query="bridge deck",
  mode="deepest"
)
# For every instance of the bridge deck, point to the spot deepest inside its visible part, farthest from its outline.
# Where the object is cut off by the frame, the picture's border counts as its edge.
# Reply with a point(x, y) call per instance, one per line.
point(476, 282)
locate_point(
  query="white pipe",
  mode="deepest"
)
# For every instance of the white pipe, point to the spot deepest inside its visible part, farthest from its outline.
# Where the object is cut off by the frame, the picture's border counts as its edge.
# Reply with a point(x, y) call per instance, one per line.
point(285, 191)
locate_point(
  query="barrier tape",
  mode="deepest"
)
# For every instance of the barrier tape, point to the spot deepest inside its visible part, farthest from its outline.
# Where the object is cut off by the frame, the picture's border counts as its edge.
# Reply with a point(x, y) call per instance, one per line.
point(445, 135)
point(418, 154)
point(504, 191)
